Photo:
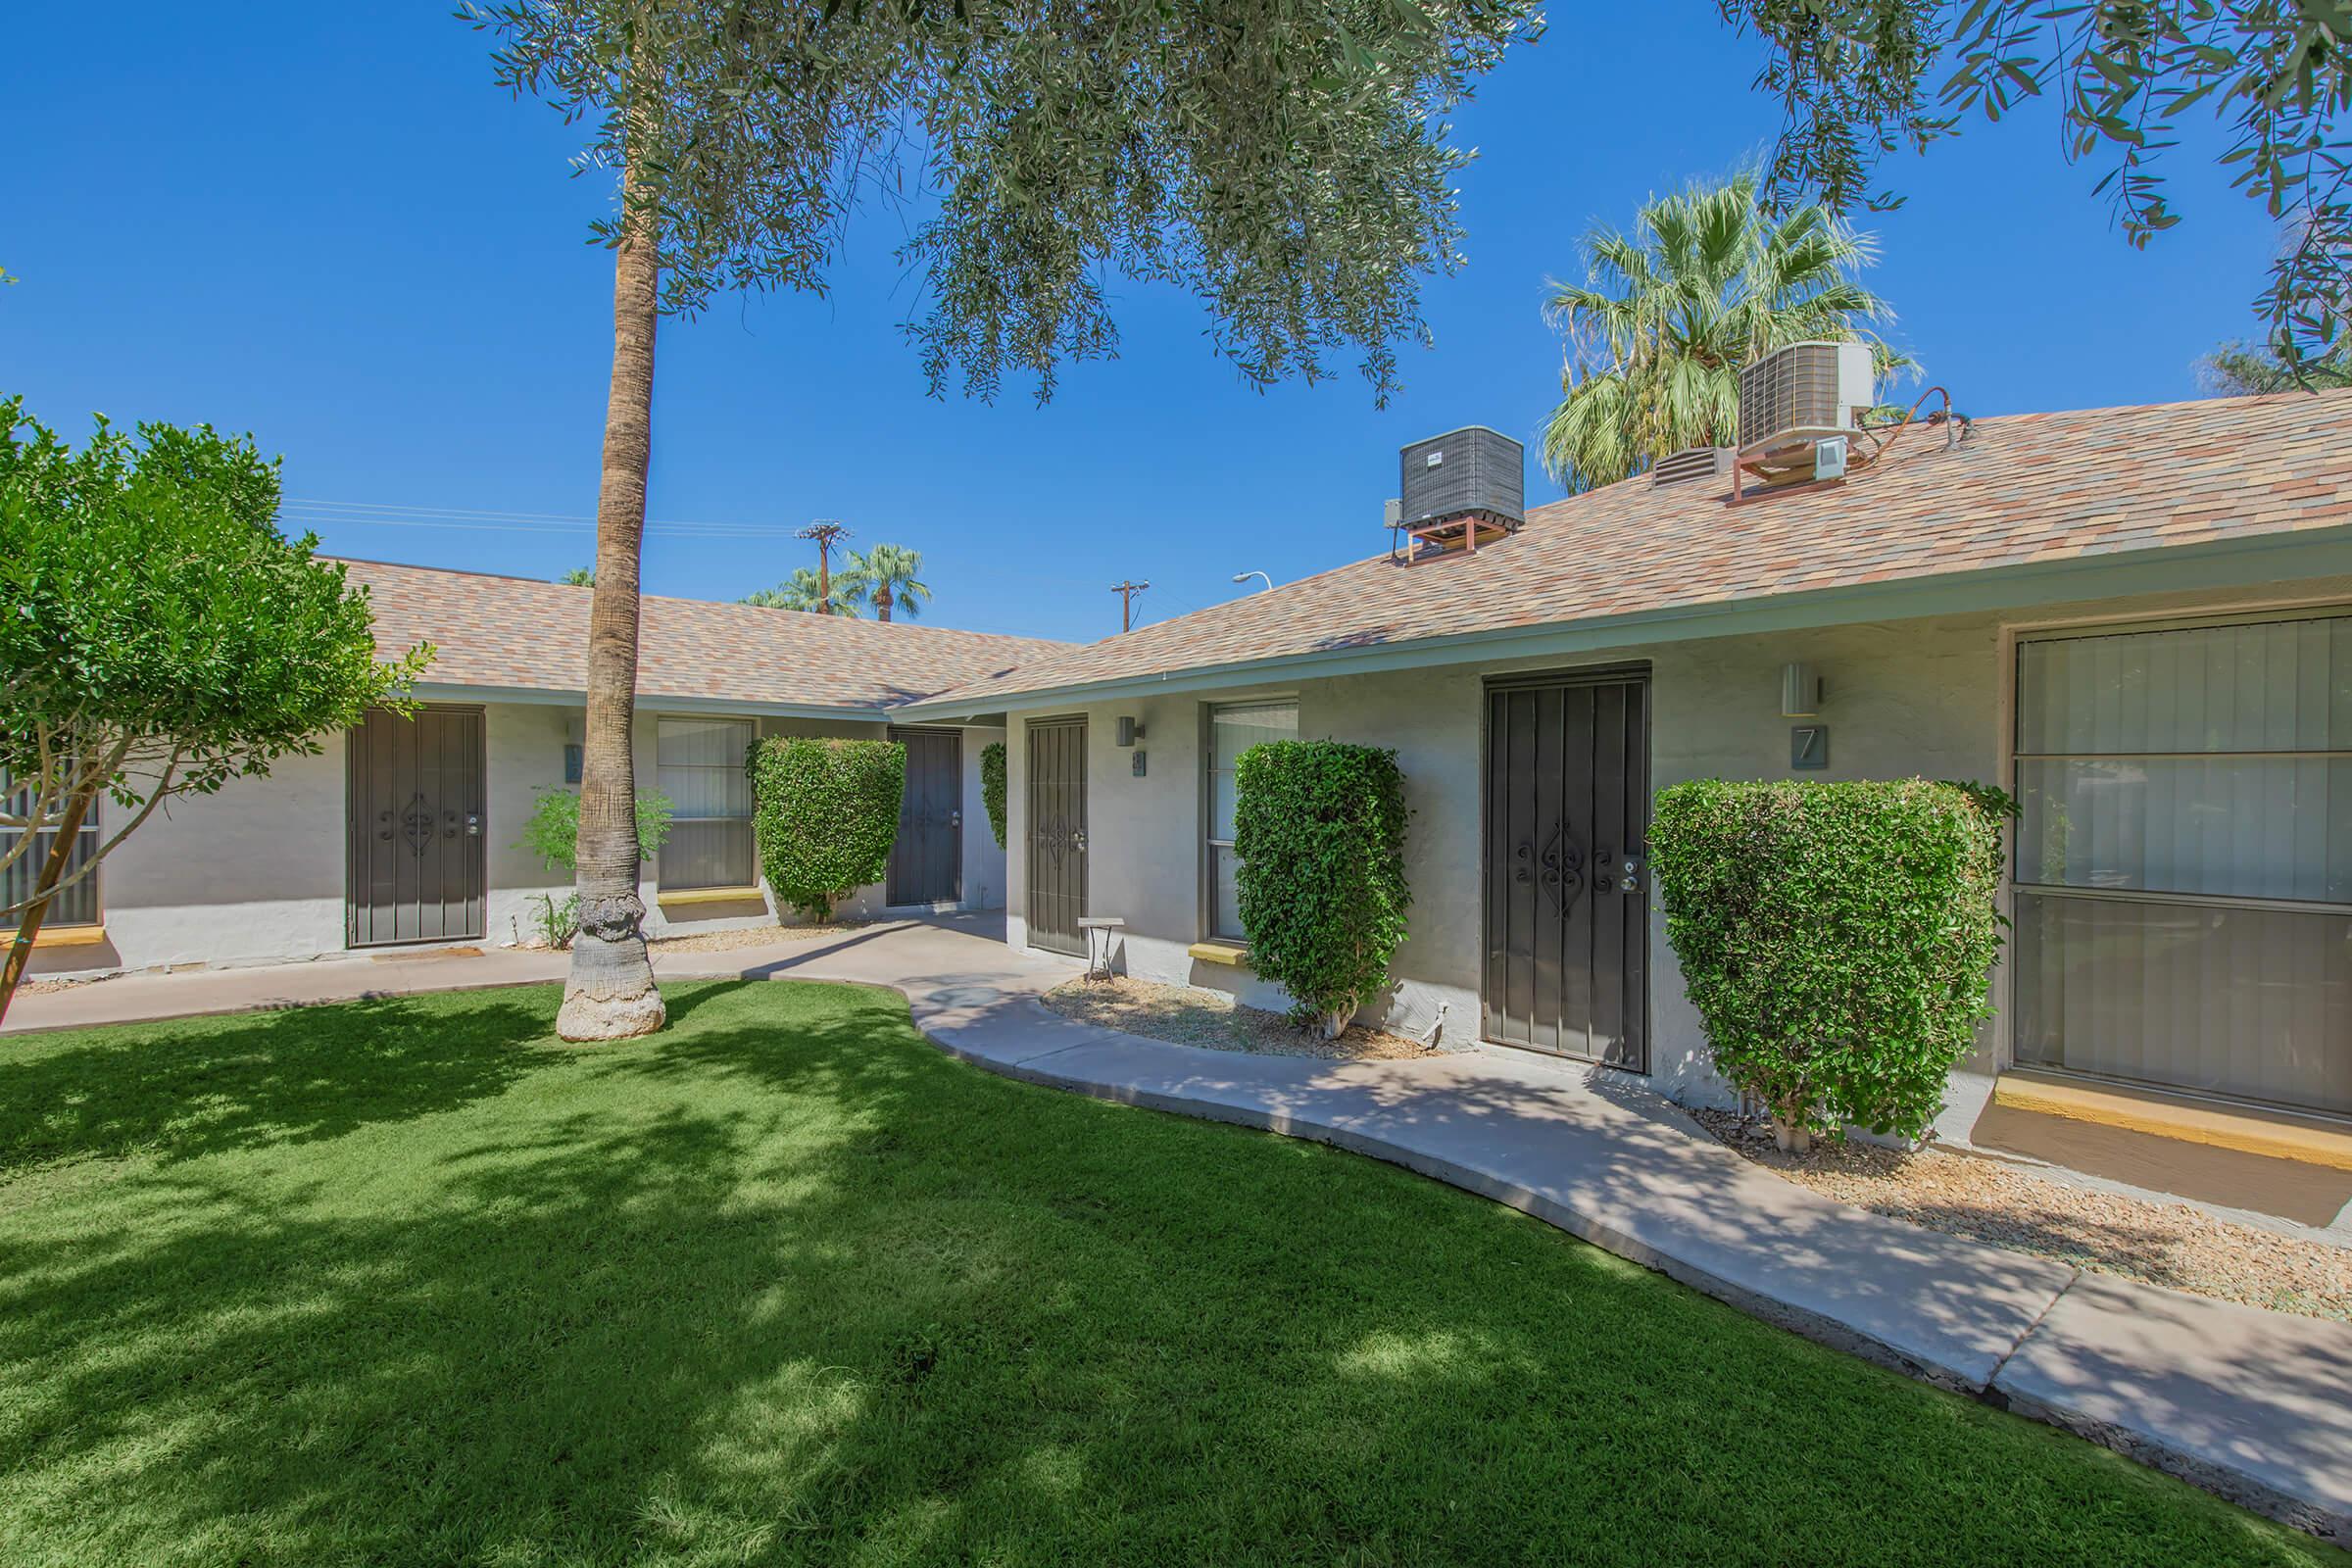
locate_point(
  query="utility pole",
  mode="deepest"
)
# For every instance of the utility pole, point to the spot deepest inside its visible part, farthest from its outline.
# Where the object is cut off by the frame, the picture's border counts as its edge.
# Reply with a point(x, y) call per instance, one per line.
point(827, 532)
point(1127, 592)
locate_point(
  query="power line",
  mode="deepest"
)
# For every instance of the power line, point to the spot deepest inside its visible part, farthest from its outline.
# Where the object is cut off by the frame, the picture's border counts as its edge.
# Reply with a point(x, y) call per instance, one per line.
point(380, 515)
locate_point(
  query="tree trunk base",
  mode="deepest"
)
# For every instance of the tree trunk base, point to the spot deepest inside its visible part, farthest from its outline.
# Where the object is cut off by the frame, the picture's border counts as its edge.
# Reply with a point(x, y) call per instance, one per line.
point(1336, 1022)
point(611, 994)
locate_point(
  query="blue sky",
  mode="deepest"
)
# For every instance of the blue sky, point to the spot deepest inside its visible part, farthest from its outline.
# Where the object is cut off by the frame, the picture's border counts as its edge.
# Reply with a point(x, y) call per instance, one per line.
point(323, 224)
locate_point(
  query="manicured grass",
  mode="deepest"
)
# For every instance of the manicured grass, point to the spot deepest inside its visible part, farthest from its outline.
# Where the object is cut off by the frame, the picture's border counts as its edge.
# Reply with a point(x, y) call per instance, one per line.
point(407, 1282)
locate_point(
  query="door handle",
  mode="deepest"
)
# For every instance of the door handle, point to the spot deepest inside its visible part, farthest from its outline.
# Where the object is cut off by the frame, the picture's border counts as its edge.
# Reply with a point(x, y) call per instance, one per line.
point(955, 819)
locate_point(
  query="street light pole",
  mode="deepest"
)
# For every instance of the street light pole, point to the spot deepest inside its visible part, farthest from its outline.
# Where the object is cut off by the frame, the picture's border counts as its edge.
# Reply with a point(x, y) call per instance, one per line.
point(1245, 576)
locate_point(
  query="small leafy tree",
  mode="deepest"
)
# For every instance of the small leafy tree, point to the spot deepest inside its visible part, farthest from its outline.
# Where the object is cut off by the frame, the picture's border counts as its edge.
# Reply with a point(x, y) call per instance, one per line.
point(159, 637)
point(802, 590)
point(1319, 830)
point(826, 814)
point(1837, 940)
point(992, 787)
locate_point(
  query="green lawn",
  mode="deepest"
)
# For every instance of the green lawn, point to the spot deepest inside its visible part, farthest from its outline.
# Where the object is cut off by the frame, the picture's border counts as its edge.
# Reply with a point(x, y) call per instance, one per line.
point(408, 1282)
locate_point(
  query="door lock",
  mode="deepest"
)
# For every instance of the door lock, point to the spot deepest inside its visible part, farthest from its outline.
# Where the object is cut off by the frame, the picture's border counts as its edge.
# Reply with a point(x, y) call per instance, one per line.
point(1631, 882)
point(474, 824)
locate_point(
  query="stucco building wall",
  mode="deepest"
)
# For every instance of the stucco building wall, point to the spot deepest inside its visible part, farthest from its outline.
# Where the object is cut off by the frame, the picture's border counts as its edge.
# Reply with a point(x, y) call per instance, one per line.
point(255, 873)
point(1904, 698)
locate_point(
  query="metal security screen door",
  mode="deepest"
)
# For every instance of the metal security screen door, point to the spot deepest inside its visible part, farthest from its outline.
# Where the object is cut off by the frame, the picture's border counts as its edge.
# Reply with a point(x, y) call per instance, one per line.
point(1056, 801)
point(2184, 862)
point(1567, 822)
point(414, 807)
point(927, 860)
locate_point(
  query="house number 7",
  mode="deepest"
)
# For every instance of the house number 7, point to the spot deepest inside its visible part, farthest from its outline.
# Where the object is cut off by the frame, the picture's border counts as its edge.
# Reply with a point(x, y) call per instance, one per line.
point(1808, 748)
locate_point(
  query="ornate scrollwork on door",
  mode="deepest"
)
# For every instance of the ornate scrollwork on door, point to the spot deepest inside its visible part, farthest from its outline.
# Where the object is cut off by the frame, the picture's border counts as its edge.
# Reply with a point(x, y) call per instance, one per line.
point(416, 825)
point(1563, 869)
point(1056, 836)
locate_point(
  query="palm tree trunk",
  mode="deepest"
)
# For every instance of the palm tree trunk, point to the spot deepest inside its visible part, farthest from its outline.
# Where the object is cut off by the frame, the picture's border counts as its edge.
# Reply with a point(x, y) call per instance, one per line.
point(611, 994)
point(882, 600)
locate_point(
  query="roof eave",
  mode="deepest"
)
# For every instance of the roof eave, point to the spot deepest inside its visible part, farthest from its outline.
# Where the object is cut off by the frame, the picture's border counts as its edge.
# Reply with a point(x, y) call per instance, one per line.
point(654, 701)
point(2255, 558)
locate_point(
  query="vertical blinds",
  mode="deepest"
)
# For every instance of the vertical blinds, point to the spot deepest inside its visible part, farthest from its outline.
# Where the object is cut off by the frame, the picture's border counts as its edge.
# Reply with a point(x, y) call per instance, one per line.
point(699, 764)
point(2185, 857)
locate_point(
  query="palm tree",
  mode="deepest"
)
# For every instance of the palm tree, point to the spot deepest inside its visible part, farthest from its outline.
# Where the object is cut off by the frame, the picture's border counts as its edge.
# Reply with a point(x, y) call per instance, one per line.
point(802, 590)
point(885, 575)
point(579, 577)
point(2237, 369)
point(1705, 283)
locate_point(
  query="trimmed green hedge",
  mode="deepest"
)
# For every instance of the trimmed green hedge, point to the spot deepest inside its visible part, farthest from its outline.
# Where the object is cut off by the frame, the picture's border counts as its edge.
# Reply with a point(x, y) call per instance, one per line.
point(825, 813)
point(1319, 831)
point(992, 787)
point(1836, 938)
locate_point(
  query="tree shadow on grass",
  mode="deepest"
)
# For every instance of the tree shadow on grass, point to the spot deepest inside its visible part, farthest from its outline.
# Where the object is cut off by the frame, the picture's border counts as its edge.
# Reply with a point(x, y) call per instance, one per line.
point(783, 1285)
point(189, 1087)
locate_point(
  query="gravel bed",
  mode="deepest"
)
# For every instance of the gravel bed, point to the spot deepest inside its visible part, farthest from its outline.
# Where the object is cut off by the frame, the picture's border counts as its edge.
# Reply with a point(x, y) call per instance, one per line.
point(756, 936)
point(2172, 1244)
point(1212, 1018)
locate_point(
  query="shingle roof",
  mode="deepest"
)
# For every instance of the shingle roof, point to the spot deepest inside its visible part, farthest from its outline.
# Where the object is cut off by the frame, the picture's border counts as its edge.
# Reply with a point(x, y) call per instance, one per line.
point(520, 633)
point(2022, 489)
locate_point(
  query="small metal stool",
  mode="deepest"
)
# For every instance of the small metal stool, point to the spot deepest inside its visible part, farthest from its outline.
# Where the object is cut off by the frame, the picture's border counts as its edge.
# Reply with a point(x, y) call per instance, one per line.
point(1109, 925)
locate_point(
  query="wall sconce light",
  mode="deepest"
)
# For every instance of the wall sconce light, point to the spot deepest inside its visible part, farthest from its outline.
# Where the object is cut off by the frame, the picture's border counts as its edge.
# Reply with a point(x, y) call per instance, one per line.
point(1801, 691)
point(1129, 731)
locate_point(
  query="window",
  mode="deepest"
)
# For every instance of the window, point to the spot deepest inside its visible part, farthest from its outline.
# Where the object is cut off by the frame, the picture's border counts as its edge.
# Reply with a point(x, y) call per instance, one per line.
point(2184, 862)
point(1233, 731)
point(78, 903)
point(699, 764)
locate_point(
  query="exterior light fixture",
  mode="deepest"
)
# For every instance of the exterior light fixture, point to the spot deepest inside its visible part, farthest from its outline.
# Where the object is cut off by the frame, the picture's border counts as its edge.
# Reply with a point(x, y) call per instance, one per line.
point(1801, 691)
point(1129, 731)
point(1245, 576)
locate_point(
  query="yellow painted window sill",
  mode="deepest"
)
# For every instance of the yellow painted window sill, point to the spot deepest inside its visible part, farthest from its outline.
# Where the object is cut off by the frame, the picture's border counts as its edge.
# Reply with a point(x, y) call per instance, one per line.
point(1230, 952)
point(70, 936)
point(2277, 1134)
point(709, 896)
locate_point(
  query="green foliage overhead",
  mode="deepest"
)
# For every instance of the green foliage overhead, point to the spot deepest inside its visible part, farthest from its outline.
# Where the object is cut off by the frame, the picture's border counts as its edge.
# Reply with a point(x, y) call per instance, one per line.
point(2236, 369)
point(992, 787)
point(1860, 79)
point(552, 830)
point(159, 637)
point(826, 814)
point(1836, 938)
point(1290, 165)
point(1704, 283)
point(1319, 831)
point(800, 592)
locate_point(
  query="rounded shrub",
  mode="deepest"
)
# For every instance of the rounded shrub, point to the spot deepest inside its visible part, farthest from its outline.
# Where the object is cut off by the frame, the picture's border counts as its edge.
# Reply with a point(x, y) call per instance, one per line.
point(1836, 938)
point(1319, 831)
point(825, 813)
point(992, 787)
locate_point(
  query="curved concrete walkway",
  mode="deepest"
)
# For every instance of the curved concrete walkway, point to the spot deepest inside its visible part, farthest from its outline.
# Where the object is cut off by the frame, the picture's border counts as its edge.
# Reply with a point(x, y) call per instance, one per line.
point(2254, 1406)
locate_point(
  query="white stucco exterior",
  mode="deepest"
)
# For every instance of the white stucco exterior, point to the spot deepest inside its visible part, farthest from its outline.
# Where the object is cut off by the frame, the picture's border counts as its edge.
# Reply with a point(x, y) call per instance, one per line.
point(255, 873)
point(1923, 697)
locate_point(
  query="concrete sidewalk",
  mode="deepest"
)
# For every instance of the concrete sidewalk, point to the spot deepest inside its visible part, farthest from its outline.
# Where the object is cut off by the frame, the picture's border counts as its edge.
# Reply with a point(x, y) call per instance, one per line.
point(2254, 1406)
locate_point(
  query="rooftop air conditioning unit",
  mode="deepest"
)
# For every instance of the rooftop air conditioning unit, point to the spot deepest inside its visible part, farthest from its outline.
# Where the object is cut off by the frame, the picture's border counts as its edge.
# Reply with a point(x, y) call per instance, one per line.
point(1692, 462)
point(1805, 392)
point(1473, 473)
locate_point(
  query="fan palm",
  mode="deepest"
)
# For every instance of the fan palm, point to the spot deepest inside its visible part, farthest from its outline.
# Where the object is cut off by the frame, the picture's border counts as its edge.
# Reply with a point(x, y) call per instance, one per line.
point(1704, 283)
point(800, 591)
point(885, 575)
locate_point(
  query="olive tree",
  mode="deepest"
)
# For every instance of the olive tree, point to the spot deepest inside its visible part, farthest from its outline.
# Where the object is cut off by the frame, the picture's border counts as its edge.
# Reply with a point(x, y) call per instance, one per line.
point(1287, 161)
point(159, 637)
point(1861, 78)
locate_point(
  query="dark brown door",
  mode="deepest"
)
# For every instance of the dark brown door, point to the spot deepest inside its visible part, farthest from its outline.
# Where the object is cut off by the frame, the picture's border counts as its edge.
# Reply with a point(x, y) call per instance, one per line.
point(1567, 923)
point(926, 864)
point(1058, 834)
point(413, 797)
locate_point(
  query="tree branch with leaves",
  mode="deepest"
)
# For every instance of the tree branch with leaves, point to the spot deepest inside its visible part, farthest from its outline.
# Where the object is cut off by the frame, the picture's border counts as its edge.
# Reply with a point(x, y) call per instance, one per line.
point(159, 637)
